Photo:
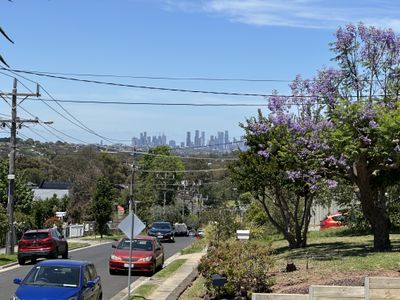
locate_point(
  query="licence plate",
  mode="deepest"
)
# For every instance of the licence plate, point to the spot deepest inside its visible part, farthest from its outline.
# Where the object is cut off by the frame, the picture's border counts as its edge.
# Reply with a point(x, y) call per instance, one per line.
point(127, 265)
point(160, 236)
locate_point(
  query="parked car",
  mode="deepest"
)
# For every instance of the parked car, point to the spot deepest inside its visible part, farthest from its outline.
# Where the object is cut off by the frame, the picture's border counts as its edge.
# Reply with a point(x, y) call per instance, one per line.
point(199, 233)
point(163, 231)
point(147, 255)
point(39, 243)
point(334, 220)
point(181, 229)
point(60, 279)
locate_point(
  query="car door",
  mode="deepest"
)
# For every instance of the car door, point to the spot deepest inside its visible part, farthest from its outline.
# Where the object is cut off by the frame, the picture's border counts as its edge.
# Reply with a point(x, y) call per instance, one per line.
point(159, 253)
point(88, 293)
point(96, 278)
point(61, 242)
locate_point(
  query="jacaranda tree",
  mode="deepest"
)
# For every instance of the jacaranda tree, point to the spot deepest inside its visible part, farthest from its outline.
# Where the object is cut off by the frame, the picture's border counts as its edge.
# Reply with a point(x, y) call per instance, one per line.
point(360, 113)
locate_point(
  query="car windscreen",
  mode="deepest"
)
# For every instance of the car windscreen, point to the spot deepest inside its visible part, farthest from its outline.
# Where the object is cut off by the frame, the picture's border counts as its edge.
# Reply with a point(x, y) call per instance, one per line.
point(35, 235)
point(144, 245)
point(161, 226)
point(53, 276)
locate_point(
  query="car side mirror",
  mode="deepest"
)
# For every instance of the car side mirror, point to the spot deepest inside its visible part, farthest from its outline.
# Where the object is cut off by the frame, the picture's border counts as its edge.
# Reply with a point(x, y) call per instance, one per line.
point(17, 280)
point(113, 246)
point(90, 284)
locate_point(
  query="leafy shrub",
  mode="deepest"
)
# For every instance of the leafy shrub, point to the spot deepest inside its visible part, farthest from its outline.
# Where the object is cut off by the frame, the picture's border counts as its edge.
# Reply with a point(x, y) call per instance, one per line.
point(50, 222)
point(246, 266)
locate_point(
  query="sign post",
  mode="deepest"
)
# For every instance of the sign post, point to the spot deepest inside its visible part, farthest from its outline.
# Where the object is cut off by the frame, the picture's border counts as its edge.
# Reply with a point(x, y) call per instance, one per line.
point(131, 226)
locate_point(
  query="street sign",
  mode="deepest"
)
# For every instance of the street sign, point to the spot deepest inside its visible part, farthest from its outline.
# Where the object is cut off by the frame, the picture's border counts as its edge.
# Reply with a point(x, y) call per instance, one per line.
point(126, 225)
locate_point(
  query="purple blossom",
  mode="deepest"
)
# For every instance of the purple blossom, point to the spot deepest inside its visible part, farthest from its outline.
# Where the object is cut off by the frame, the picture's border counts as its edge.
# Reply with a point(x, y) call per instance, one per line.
point(366, 140)
point(293, 175)
point(331, 183)
point(264, 153)
point(259, 128)
point(373, 124)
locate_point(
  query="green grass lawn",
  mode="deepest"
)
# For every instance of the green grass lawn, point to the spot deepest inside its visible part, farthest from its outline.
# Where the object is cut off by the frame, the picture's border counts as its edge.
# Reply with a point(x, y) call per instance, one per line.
point(171, 268)
point(7, 259)
point(326, 249)
point(76, 245)
point(334, 254)
point(197, 246)
point(143, 291)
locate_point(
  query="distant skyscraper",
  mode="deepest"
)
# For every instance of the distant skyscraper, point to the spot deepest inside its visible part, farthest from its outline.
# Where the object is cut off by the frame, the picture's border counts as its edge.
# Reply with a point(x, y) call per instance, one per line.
point(226, 142)
point(203, 139)
point(197, 138)
point(188, 139)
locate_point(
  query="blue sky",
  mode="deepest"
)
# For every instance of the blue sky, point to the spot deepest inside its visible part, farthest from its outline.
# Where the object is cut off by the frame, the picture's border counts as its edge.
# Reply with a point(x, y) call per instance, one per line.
point(254, 39)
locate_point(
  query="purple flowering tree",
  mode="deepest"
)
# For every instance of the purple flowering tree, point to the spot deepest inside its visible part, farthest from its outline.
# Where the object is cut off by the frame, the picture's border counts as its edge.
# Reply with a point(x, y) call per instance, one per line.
point(284, 166)
point(344, 122)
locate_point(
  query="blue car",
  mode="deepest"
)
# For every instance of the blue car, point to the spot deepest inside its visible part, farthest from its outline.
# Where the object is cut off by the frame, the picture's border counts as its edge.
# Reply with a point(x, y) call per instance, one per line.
point(60, 280)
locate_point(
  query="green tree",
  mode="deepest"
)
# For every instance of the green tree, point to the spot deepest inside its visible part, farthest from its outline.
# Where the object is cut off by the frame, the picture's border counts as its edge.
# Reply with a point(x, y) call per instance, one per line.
point(3, 224)
point(102, 204)
point(157, 173)
point(23, 195)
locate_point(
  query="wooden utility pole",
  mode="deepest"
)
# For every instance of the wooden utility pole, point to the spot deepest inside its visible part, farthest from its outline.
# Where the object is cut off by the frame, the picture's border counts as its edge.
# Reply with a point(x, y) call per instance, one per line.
point(10, 239)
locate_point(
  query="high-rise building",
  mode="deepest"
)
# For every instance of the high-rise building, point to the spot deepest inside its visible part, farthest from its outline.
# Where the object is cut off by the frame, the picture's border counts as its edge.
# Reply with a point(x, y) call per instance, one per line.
point(203, 139)
point(226, 141)
point(197, 138)
point(188, 139)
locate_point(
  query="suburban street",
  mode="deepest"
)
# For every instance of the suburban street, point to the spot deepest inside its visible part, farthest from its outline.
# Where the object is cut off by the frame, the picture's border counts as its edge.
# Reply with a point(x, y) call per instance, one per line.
point(99, 255)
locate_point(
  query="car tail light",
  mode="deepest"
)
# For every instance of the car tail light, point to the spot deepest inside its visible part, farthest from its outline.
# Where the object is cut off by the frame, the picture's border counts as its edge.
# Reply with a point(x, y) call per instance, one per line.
point(48, 242)
point(22, 244)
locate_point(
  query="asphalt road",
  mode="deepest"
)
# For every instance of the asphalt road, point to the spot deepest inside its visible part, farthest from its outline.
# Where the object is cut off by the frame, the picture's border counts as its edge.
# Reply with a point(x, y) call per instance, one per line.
point(99, 255)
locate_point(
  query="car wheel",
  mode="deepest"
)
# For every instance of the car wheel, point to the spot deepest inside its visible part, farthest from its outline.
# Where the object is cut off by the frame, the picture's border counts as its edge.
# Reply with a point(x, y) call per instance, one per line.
point(112, 272)
point(34, 260)
point(153, 269)
point(54, 255)
point(21, 261)
point(65, 254)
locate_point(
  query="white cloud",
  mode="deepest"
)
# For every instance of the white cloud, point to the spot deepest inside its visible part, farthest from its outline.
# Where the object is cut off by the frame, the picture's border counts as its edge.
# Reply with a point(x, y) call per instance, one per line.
point(324, 14)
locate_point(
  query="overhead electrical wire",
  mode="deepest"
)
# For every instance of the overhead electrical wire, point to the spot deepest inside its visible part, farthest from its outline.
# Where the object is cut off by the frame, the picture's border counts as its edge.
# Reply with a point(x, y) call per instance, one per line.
point(137, 86)
point(79, 124)
point(111, 102)
point(49, 75)
point(162, 77)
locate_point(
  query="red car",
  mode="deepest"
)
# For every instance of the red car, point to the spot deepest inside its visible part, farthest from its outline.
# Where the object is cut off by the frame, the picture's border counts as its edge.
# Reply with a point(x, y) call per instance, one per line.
point(334, 220)
point(39, 243)
point(147, 255)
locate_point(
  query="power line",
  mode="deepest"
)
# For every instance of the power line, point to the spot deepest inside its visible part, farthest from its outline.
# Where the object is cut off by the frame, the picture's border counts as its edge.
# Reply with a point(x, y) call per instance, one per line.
point(163, 77)
point(138, 86)
point(80, 125)
point(42, 74)
point(110, 102)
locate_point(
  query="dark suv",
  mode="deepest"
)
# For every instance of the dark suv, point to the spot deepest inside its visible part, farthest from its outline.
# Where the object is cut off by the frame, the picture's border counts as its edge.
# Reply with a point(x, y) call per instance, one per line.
point(39, 243)
point(163, 231)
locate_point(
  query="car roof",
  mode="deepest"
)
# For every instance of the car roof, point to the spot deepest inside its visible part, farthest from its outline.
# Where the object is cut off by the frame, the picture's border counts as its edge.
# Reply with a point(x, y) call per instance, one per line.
point(63, 262)
point(162, 222)
point(38, 230)
point(141, 237)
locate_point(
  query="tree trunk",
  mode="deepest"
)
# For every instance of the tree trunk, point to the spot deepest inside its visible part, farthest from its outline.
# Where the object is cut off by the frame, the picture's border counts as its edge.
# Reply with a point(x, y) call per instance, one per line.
point(374, 206)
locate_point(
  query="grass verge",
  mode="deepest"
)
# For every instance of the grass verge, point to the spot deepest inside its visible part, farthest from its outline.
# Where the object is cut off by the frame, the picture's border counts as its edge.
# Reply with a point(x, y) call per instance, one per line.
point(143, 291)
point(196, 291)
point(75, 245)
point(171, 268)
point(7, 259)
point(195, 247)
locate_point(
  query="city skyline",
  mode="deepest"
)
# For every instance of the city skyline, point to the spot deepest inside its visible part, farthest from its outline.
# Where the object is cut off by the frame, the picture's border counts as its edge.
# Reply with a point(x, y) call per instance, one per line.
point(221, 140)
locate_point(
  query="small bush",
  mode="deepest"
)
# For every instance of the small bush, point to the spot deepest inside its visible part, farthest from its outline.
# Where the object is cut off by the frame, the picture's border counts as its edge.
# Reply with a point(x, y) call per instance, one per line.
point(246, 266)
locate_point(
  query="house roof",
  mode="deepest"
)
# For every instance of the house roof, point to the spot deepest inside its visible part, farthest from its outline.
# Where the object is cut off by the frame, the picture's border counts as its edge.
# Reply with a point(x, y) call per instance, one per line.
point(55, 185)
